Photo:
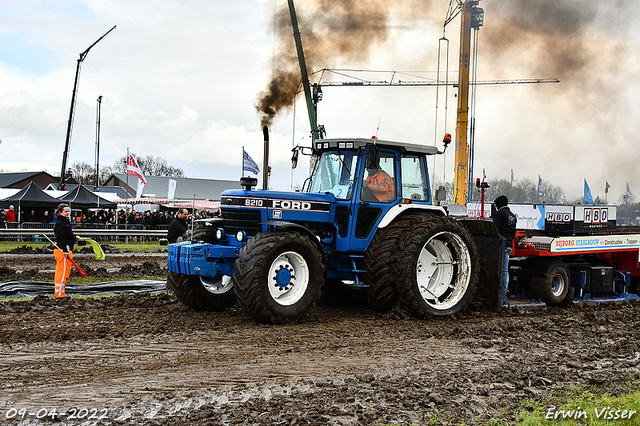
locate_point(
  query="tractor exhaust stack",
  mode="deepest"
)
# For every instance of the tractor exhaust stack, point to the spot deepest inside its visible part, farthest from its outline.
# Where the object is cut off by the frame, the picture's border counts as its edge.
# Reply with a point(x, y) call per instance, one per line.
point(265, 161)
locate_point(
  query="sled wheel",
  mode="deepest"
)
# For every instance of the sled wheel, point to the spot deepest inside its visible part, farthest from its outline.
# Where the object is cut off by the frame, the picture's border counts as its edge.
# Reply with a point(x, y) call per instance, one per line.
point(279, 276)
point(437, 268)
point(202, 294)
point(553, 288)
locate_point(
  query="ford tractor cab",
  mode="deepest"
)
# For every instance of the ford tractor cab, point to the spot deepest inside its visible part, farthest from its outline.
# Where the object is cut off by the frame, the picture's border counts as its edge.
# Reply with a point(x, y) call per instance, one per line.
point(365, 218)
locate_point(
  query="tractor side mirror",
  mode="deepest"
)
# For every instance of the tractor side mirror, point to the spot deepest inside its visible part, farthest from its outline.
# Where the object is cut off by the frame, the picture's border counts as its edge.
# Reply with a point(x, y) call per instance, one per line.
point(441, 194)
point(294, 158)
point(372, 160)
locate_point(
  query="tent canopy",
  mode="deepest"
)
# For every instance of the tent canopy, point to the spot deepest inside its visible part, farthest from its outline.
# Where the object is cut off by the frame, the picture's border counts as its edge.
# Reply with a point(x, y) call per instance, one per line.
point(29, 197)
point(82, 198)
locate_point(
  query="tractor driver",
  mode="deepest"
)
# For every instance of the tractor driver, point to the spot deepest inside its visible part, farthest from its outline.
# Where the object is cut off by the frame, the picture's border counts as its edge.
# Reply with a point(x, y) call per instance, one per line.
point(378, 185)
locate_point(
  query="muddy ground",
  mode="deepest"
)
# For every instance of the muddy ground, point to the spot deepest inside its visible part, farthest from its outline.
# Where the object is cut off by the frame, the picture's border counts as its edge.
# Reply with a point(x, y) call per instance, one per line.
point(148, 360)
point(29, 264)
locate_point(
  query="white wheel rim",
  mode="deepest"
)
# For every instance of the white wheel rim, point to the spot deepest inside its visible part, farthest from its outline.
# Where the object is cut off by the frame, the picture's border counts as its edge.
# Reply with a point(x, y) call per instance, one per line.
point(288, 278)
point(557, 285)
point(443, 270)
point(217, 285)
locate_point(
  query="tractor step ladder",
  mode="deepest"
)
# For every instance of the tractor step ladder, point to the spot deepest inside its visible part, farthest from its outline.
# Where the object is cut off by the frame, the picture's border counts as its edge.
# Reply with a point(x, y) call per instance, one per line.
point(355, 269)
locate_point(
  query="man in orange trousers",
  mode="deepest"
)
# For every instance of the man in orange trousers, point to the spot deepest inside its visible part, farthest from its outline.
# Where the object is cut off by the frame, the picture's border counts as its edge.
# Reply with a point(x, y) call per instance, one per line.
point(65, 239)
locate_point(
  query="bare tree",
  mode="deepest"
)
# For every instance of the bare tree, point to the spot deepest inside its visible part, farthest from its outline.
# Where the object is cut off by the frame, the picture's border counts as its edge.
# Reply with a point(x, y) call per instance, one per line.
point(150, 166)
point(85, 174)
point(521, 191)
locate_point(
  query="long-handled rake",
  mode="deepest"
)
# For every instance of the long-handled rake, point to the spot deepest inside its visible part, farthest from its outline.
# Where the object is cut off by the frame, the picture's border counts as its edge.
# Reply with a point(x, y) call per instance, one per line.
point(83, 273)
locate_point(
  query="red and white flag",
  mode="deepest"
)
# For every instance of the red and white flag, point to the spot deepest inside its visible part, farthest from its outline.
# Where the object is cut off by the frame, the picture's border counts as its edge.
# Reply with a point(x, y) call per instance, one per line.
point(133, 169)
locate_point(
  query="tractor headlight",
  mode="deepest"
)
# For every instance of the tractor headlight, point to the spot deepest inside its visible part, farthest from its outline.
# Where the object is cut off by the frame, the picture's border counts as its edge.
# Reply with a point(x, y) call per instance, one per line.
point(241, 236)
point(219, 234)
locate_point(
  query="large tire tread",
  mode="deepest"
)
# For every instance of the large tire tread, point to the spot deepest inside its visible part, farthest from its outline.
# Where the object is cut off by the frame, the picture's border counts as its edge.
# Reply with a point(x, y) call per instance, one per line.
point(415, 227)
point(541, 286)
point(190, 291)
point(380, 262)
point(203, 232)
point(250, 278)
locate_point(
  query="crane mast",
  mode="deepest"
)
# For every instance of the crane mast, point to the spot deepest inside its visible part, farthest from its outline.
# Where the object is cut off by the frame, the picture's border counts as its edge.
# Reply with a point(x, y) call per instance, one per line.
point(316, 131)
point(65, 154)
point(472, 17)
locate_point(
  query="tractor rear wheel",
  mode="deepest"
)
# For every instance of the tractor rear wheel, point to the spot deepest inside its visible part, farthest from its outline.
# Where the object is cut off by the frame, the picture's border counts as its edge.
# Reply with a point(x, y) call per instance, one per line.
point(437, 267)
point(202, 293)
point(380, 262)
point(553, 288)
point(278, 276)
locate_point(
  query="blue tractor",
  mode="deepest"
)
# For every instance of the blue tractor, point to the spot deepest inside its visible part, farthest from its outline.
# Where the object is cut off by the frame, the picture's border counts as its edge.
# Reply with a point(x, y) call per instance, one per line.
point(272, 251)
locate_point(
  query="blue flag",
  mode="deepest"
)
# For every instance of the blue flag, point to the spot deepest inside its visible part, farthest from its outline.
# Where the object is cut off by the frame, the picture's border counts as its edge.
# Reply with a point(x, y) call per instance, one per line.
point(540, 189)
point(248, 164)
point(588, 199)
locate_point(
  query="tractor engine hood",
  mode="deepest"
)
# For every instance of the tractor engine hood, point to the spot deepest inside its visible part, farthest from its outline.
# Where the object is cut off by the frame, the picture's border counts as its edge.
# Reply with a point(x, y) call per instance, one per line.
point(282, 205)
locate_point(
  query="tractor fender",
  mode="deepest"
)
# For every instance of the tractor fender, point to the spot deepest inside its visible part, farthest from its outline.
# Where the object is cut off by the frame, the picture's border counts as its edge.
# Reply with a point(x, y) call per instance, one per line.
point(289, 226)
point(400, 209)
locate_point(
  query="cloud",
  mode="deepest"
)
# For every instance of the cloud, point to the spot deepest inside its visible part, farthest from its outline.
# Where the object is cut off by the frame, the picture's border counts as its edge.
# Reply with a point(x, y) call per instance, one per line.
point(182, 82)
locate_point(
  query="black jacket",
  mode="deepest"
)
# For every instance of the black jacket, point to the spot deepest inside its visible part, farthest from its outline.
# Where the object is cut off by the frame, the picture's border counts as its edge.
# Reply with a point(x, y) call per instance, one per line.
point(506, 223)
point(177, 228)
point(64, 234)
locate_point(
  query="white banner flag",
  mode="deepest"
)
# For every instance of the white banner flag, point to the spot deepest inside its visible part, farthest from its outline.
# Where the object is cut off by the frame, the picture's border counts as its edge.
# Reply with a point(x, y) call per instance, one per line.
point(140, 188)
point(172, 189)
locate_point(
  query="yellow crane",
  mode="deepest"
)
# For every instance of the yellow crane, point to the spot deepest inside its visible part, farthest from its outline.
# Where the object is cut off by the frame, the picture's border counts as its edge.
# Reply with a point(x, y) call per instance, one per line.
point(472, 17)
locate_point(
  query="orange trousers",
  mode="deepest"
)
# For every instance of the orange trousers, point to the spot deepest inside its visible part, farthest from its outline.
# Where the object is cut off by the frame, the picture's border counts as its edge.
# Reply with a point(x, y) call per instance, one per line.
point(63, 270)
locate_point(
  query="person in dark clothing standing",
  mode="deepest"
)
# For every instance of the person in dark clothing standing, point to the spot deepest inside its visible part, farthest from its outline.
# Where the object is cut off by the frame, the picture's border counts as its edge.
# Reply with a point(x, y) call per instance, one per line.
point(46, 217)
point(65, 240)
point(506, 222)
point(178, 226)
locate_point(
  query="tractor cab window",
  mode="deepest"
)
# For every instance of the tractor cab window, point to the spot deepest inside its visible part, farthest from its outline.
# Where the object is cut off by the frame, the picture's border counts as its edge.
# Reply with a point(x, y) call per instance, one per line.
point(414, 178)
point(335, 173)
point(378, 184)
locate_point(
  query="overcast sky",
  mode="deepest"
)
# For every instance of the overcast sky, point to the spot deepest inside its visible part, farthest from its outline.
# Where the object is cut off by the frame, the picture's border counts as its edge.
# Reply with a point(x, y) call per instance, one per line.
point(181, 80)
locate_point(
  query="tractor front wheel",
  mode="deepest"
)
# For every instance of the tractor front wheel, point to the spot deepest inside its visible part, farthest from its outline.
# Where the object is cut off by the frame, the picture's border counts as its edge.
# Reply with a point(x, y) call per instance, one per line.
point(202, 293)
point(279, 276)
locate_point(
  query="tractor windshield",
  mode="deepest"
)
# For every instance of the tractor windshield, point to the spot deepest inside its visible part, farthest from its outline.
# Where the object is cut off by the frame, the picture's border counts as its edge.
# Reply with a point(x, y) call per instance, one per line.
point(334, 173)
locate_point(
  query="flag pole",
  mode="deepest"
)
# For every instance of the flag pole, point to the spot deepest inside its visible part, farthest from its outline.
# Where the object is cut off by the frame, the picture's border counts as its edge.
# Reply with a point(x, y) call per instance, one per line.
point(193, 213)
point(242, 163)
point(126, 213)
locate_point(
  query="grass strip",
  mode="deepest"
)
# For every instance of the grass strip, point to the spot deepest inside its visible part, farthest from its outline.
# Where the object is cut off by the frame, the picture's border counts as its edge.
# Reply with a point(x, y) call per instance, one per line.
point(580, 406)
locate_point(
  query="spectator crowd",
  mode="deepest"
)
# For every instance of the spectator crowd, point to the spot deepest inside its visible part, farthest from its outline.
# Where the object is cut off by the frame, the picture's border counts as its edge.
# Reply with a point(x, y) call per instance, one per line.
point(98, 217)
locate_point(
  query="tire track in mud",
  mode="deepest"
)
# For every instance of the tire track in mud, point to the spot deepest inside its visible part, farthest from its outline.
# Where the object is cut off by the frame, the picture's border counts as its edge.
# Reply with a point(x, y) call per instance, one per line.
point(150, 360)
point(202, 365)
